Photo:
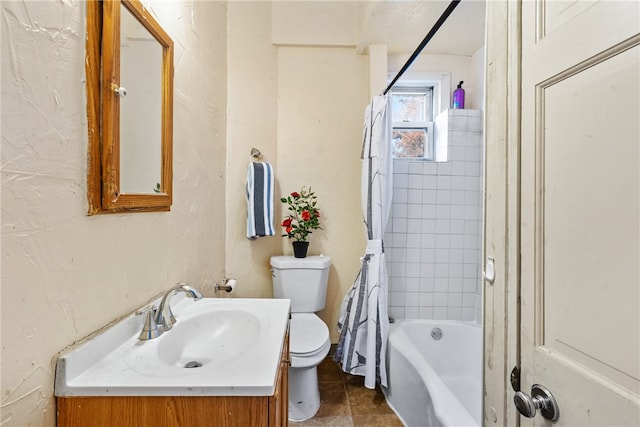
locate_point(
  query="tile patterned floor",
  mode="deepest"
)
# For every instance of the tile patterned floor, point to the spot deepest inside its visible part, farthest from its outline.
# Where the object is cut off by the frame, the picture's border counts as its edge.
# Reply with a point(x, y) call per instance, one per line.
point(345, 401)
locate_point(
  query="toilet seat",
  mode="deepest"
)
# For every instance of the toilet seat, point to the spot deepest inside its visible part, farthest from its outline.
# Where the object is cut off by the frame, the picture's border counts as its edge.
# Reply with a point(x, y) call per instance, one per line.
point(308, 335)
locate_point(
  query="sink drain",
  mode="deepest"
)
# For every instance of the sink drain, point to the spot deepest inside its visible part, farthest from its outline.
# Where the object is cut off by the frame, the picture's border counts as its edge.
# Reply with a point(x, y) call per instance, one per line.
point(193, 364)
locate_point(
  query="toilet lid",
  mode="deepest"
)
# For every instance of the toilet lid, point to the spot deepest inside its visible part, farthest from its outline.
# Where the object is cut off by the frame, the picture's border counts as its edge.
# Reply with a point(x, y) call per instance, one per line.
point(307, 332)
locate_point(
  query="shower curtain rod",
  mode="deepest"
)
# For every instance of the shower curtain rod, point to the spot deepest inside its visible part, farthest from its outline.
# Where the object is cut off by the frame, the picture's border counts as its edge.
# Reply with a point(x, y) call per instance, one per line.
point(424, 42)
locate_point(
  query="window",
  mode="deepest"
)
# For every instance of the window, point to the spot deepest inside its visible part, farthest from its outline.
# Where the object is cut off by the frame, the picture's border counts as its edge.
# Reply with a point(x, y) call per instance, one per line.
point(412, 117)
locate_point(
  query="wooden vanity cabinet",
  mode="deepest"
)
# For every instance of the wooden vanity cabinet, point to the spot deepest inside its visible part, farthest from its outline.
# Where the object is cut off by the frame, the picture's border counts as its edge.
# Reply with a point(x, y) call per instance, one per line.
point(279, 402)
point(181, 411)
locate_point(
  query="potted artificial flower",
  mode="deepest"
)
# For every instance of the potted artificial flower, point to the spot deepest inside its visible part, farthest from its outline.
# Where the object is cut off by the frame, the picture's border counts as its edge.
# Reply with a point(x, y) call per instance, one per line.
point(303, 217)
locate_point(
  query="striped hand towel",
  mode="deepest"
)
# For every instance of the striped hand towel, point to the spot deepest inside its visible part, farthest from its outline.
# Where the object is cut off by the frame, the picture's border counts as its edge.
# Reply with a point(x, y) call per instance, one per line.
point(260, 186)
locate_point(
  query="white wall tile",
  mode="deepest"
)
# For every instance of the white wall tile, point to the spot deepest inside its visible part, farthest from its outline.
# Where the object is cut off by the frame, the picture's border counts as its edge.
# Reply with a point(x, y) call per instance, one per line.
point(429, 197)
point(413, 255)
point(458, 123)
point(470, 271)
point(470, 285)
point(397, 284)
point(456, 256)
point(425, 313)
point(458, 169)
point(399, 210)
point(411, 313)
point(458, 226)
point(427, 268)
point(443, 197)
point(414, 240)
point(427, 240)
point(434, 235)
point(455, 284)
point(427, 284)
point(441, 284)
point(440, 299)
point(440, 313)
point(412, 284)
point(411, 299)
point(400, 195)
point(456, 241)
point(468, 314)
point(414, 210)
point(415, 167)
point(429, 211)
point(400, 166)
point(426, 299)
point(429, 182)
point(400, 240)
point(457, 182)
point(428, 226)
point(455, 271)
point(472, 168)
point(415, 181)
point(469, 300)
point(429, 168)
point(414, 225)
point(444, 168)
point(443, 241)
point(414, 195)
point(400, 180)
point(443, 225)
point(412, 269)
point(454, 313)
point(397, 299)
point(454, 299)
point(397, 312)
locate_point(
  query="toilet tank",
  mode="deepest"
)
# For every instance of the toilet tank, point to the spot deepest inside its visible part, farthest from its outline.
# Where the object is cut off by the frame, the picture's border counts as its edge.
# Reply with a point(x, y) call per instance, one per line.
point(302, 280)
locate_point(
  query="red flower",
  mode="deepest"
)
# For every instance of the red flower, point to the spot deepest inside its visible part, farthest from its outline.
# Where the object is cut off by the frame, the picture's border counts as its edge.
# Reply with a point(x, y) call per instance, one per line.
point(288, 230)
point(306, 216)
point(295, 194)
point(317, 213)
point(286, 222)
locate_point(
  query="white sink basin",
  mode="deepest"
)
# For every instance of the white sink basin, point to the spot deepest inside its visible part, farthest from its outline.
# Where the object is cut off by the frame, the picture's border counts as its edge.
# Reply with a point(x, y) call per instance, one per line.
point(217, 347)
point(211, 337)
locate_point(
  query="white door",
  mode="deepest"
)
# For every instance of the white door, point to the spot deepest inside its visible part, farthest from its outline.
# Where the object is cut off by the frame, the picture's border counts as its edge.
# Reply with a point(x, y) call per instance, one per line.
point(579, 210)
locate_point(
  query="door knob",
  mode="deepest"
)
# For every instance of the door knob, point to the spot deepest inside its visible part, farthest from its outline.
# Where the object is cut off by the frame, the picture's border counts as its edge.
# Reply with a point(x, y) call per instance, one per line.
point(541, 399)
point(120, 91)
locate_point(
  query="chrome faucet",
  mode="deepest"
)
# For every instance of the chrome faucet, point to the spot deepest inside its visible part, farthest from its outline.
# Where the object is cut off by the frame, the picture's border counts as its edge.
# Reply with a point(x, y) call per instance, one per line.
point(164, 316)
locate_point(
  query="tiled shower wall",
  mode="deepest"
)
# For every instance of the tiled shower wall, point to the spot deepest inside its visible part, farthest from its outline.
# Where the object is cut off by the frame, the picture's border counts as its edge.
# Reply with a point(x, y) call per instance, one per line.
point(433, 238)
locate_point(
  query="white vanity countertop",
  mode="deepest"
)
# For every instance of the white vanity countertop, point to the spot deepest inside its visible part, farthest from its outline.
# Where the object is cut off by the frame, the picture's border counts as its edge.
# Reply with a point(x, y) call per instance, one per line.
point(116, 363)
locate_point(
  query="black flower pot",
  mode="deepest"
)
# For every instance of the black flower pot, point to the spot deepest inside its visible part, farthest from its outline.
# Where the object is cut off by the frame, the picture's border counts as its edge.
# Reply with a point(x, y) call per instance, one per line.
point(300, 249)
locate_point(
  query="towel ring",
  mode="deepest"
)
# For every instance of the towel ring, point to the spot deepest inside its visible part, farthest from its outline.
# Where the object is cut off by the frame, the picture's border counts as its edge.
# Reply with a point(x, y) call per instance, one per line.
point(256, 155)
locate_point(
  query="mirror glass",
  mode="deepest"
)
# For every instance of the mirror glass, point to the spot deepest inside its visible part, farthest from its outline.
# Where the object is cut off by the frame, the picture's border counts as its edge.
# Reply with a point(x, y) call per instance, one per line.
point(129, 108)
point(141, 108)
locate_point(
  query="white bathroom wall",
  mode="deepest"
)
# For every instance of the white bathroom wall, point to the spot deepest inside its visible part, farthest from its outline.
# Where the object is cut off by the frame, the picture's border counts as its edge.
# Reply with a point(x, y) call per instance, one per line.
point(433, 238)
point(476, 97)
point(322, 97)
point(251, 122)
point(66, 274)
point(297, 91)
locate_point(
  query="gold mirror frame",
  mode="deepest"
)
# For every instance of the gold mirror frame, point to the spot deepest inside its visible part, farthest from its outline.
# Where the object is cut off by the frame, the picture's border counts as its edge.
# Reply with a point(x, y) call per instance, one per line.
point(103, 110)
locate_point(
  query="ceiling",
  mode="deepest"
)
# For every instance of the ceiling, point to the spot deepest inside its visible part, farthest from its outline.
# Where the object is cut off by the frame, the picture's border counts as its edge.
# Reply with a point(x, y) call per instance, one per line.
point(403, 24)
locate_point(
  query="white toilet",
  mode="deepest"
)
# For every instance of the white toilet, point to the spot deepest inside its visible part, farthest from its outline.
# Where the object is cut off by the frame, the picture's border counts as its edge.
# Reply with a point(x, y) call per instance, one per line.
point(304, 282)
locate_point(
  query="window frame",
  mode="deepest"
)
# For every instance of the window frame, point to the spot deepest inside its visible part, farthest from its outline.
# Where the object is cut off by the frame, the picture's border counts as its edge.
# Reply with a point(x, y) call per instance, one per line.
point(429, 146)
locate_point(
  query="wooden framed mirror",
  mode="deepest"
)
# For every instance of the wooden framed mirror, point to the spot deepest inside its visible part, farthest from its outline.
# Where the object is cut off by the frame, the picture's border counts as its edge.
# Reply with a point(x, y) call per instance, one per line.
point(129, 108)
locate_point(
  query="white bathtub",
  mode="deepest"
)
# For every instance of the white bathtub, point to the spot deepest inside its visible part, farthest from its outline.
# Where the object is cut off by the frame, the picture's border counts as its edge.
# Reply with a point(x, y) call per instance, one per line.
point(435, 382)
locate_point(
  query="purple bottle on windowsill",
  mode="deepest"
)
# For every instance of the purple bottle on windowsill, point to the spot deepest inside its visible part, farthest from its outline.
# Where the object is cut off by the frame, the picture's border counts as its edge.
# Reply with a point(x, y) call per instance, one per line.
point(458, 96)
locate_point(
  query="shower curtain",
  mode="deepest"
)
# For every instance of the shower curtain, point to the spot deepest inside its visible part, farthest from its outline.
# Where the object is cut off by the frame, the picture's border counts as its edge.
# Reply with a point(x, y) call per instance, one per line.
point(364, 322)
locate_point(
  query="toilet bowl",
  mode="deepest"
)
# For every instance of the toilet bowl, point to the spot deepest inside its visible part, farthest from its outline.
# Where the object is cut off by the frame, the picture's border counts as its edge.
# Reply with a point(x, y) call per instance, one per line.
point(309, 344)
point(304, 282)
